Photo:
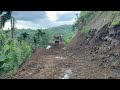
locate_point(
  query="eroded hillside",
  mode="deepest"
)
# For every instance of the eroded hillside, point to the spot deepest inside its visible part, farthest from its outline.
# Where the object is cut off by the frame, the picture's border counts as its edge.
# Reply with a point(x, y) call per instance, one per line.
point(99, 38)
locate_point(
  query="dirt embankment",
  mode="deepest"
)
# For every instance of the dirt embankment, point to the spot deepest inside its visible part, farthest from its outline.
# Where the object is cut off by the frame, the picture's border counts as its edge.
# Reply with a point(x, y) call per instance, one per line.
point(103, 44)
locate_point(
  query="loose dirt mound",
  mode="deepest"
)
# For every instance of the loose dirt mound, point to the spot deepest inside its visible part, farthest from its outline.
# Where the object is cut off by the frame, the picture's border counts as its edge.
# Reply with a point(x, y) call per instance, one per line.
point(59, 64)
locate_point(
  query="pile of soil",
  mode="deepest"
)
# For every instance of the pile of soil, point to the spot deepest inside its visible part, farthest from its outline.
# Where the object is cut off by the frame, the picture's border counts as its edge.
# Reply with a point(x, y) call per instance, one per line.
point(59, 64)
point(103, 49)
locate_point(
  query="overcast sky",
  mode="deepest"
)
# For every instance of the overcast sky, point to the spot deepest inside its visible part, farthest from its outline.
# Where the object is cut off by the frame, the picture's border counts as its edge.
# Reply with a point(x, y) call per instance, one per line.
point(42, 19)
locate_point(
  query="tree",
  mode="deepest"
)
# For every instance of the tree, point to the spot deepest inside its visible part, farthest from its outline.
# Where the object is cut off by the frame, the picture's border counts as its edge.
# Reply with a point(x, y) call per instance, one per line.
point(13, 26)
point(39, 33)
point(4, 17)
point(25, 35)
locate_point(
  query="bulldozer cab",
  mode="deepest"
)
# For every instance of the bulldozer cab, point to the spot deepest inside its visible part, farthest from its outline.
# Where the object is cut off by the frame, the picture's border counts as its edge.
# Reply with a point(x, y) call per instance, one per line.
point(57, 39)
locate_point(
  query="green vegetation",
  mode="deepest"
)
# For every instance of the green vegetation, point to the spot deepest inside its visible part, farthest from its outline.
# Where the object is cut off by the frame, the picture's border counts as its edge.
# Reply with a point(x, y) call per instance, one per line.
point(87, 16)
point(65, 30)
point(84, 18)
point(16, 45)
point(4, 17)
point(15, 52)
point(115, 21)
point(86, 30)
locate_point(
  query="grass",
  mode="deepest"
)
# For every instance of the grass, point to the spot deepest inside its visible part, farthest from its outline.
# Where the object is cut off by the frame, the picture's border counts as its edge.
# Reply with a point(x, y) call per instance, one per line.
point(116, 21)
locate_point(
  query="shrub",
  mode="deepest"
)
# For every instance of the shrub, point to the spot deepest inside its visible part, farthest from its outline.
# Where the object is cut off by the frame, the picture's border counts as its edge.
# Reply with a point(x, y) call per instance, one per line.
point(86, 29)
point(15, 57)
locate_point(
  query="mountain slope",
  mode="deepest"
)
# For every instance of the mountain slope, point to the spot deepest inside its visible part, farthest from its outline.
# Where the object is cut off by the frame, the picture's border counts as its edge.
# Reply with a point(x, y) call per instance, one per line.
point(98, 37)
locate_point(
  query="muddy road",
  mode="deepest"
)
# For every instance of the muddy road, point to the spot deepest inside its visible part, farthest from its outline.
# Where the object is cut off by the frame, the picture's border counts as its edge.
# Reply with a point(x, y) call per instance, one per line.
point(57, 63)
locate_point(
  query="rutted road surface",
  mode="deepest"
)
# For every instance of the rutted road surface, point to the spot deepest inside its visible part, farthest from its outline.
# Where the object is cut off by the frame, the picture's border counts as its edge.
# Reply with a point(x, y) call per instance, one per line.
point(56, 64)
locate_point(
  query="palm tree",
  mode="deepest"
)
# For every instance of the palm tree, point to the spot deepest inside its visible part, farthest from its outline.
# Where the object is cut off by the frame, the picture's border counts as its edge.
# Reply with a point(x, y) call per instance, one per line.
point(39, 33)
point(4, 17)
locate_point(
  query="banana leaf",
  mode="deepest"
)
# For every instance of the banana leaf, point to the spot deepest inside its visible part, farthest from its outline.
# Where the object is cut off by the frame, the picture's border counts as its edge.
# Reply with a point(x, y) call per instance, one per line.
point(5, 60)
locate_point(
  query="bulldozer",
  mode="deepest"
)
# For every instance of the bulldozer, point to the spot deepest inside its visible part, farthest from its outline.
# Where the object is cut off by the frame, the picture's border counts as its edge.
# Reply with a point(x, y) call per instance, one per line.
point(57, 40)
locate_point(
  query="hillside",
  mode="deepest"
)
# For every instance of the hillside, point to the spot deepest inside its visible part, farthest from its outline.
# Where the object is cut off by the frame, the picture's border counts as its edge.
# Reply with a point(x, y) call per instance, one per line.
point(92, 54)
point(98, 37)
point(65, 30)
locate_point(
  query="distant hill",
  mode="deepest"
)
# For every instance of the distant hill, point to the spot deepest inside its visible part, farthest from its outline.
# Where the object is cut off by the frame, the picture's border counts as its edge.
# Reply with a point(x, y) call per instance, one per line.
point(65, 30)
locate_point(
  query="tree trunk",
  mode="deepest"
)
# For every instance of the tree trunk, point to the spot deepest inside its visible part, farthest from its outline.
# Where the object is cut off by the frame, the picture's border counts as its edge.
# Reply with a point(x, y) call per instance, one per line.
point(12, 27)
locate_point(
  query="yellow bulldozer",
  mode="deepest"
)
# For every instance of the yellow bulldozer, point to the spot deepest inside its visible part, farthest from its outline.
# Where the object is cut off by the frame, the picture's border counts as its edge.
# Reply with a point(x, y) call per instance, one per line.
point(57, 40)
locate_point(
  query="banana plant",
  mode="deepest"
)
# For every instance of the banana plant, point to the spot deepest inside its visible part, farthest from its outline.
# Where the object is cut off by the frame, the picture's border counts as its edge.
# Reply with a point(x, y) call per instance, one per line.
point(4, 57)
point(4, 60)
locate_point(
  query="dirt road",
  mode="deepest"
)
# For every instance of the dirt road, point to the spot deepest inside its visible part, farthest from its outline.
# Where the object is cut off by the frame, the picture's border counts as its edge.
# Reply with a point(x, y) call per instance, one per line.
point(58, 64)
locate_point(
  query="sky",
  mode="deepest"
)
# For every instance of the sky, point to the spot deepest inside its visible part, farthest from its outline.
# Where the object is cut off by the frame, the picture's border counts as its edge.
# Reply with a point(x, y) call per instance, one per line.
point(42, 19)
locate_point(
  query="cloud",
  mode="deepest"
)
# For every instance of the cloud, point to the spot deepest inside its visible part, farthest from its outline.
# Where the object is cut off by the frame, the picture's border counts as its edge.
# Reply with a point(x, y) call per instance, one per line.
point(29, 15)
point(57, 15)
point(67, 17)
point(42, 19)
